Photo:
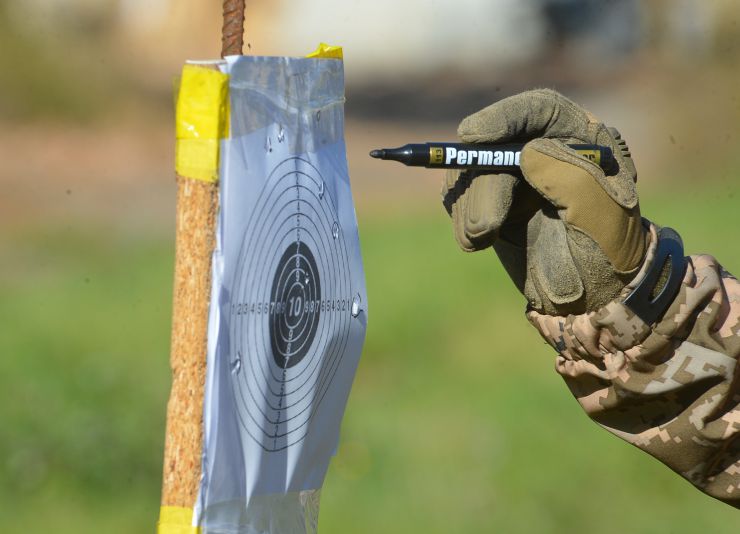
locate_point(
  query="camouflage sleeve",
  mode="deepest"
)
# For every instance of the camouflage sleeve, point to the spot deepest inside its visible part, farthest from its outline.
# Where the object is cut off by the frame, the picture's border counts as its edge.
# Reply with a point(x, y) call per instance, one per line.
point(672, 388)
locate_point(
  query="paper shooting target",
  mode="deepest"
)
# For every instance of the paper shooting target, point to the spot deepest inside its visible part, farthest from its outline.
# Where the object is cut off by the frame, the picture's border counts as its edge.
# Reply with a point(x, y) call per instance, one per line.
point(292, 305)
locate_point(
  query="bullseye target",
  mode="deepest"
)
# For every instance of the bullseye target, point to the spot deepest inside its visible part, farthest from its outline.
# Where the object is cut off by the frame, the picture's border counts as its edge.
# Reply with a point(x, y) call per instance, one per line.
point(291, 306)
point(297, 287)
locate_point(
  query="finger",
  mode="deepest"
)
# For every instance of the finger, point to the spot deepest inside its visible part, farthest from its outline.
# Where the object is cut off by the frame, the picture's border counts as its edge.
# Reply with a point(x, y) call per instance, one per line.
point(478, 205)
point(458, 226)
point(460, 194)
point(448, 189)
point(620, 185)
point(454, 190)
point(488, 202)
point(537, 113)
point(573, 185)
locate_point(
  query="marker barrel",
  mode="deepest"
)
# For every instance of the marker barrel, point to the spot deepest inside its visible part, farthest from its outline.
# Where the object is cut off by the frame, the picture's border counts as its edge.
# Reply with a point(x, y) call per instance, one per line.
point(502, 158)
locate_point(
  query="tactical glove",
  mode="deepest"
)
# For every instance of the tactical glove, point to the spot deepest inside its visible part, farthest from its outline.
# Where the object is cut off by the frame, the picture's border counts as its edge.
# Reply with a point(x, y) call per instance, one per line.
point(568, 233)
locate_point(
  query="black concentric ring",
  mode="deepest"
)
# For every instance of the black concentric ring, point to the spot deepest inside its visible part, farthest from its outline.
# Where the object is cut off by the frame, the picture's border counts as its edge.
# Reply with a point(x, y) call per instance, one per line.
point(298, 286)
point(291, 306)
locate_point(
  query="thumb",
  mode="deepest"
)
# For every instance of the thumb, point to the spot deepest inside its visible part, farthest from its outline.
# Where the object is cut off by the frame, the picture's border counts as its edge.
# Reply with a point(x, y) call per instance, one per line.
point(572, 184)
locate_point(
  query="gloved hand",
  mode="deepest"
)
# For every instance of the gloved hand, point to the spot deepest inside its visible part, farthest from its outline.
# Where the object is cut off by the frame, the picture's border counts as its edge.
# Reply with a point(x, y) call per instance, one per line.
point(569, 235)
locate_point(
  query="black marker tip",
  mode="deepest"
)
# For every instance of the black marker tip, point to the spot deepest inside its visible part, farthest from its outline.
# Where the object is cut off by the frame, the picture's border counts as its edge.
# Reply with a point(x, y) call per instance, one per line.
point(379, 154)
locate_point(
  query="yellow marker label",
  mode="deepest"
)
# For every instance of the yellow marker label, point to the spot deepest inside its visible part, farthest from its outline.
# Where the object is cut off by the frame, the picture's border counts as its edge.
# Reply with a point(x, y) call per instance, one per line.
point(436, 155)
point(593, 155)
point(176, 520)
point(327, 52)
point(202, 118)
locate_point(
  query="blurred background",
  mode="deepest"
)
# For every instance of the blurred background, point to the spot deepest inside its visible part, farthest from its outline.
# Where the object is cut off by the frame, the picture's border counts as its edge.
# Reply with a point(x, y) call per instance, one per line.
point(457, 421)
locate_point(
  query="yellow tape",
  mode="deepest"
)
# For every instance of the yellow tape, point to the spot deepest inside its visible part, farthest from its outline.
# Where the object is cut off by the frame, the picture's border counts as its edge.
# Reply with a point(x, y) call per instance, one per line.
point(202, 118)
point(327, 52)
point(176, 520)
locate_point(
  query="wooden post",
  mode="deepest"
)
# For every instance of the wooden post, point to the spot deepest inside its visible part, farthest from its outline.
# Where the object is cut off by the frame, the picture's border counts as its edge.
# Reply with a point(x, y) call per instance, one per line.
point(197, 207)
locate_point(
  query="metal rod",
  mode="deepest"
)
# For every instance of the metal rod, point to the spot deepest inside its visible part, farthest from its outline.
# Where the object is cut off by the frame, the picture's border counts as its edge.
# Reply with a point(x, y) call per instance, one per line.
point(232, 34)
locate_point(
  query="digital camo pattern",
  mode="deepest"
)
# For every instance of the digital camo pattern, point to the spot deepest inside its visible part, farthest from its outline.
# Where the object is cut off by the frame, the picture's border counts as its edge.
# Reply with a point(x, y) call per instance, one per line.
point(673, 388)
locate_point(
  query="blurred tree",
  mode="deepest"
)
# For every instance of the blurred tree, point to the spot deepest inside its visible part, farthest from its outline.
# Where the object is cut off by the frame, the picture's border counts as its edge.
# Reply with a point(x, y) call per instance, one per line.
point(49, 69)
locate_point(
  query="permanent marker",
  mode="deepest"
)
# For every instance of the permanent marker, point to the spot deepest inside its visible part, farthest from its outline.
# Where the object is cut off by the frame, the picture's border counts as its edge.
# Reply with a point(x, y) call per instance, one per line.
point(479, 157)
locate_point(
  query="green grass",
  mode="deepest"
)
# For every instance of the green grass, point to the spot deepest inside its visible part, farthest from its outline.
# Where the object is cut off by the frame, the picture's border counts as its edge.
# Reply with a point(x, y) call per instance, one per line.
point(84, 376)
point(456, 422)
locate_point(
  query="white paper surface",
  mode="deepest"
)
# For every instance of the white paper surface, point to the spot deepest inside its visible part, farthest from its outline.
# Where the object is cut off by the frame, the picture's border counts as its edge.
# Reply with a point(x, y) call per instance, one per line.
point(289, 305)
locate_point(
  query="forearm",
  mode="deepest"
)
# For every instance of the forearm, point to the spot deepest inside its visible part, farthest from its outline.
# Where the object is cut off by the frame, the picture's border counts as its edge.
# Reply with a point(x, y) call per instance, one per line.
point(672, 388)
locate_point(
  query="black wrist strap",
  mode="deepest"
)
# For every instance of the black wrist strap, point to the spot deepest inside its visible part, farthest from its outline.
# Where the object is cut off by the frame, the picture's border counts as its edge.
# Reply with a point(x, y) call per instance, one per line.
point(670, 250)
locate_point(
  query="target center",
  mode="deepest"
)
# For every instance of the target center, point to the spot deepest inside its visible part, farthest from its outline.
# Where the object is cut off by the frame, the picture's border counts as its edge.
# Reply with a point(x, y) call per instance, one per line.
point(296, 293)
point(295, 305)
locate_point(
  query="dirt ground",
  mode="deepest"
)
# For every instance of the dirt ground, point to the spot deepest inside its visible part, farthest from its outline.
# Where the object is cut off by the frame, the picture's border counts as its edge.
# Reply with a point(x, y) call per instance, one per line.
point(123, 173)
